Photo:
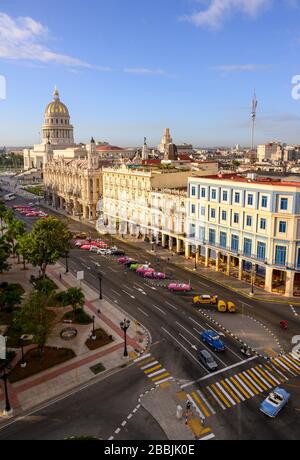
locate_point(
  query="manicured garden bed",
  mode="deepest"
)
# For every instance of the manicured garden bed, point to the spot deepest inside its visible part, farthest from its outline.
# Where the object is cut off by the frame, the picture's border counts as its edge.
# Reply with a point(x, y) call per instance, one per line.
point(101, 340)
point(37, 362)
point(78, 317)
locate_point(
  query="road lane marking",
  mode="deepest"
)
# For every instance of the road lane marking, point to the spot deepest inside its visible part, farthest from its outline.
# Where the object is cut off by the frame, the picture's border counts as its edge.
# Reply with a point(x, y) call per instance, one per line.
point(128, 294)
point(208, 437)
point(201, 327)
point(115, 292)
point(186, 330)
point(144, 313)
point(160, 382)
point(170, 305)
point(218, 372)
point(274, 369)
point(157, 308)
point(187, 351)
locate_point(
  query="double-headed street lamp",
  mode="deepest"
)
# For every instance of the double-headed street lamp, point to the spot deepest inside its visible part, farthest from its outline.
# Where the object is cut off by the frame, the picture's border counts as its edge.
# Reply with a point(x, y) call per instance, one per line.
point(4, 376)
point(125, 325)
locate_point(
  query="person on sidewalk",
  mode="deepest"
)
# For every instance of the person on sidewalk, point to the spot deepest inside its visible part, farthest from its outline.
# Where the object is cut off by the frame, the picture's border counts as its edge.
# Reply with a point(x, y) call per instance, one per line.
point(60, 277)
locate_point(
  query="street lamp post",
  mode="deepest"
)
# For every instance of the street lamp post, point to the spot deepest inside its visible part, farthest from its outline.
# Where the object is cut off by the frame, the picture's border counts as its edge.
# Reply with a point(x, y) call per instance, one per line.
point(100, 285)
point(4, 376)
point(252, 280)
point(93, 331)
point(67, 262)
point(125, 325)
point(21, 344)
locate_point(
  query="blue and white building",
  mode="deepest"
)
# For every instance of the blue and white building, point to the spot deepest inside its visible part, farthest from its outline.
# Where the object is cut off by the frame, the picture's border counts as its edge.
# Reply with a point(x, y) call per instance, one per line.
point(247, 228)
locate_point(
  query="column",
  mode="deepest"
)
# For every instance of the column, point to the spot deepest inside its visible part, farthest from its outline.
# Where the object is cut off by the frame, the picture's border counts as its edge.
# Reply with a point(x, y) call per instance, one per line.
point(240, 269)
point(163, 240)
point(290, 281)
point(269, 279)
point(228, 265)
point(85, 212)
point(171, 243)
point(197, 255)
point(178, 245)
point(207, 251)
point(187, 250)
point(217, 261)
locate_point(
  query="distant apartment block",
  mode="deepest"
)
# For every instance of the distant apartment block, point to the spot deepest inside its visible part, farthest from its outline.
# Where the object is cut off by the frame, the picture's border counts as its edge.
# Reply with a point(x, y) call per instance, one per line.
point(247, 228)
point(269, 152)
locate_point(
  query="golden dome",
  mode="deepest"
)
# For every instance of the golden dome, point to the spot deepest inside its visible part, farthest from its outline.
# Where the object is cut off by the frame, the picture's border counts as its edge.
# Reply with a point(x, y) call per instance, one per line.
point(56, 108)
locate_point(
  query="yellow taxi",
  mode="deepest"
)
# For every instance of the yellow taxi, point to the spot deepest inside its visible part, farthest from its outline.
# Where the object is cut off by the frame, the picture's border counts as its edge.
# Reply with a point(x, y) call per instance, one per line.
point(224, 307)
point(205, 300)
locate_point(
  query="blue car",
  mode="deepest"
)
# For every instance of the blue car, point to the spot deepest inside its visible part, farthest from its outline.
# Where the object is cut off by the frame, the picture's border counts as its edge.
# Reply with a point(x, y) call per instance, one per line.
point(213, 340)
point(275, 402)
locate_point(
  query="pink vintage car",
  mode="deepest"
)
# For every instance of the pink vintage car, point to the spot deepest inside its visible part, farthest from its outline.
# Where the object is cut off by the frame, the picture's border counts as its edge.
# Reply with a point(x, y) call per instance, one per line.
point(179, 287)
point(143, 269)
point(86, 247)
point(155, 275)
point(123, 260)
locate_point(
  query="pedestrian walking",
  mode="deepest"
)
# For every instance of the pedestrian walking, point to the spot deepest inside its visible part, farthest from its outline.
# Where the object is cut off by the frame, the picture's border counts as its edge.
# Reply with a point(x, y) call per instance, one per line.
point(60, 277)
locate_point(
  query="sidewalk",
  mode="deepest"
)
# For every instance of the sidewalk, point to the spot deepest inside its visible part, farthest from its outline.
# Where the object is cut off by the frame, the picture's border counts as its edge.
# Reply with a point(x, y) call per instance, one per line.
point(62, 378)
point(162, 403)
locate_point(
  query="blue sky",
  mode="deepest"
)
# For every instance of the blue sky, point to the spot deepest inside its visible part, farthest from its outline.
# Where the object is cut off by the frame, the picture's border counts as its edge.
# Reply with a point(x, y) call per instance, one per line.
point(129, 68)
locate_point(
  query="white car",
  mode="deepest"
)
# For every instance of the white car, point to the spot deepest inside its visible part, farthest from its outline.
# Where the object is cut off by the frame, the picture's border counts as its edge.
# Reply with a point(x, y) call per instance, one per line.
point(103, 252)
point(94, 249)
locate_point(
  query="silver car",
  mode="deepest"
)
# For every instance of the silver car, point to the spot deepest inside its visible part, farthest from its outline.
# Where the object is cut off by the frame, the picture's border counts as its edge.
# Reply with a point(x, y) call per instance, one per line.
point(207, 360)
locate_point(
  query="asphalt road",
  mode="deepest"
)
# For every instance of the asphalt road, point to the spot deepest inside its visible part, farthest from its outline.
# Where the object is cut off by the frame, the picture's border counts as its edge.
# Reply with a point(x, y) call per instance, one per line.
point(175, 326)
point(97, 411)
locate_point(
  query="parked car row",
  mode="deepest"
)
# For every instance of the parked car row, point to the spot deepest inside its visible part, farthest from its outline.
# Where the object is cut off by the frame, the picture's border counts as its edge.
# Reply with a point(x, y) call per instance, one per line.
point(30, 211)
point(144, 270)
point(97, 246)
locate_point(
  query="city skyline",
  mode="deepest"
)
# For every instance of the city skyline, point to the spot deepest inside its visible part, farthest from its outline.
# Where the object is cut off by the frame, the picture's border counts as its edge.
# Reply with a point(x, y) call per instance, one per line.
point(141, 68)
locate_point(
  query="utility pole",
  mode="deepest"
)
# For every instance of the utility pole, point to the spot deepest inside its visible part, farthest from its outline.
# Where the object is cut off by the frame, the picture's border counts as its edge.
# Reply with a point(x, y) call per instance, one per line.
point(253, 116)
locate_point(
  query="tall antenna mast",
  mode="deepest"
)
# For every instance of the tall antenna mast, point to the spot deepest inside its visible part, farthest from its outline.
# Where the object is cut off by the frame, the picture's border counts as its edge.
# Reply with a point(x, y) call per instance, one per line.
point(253, 116)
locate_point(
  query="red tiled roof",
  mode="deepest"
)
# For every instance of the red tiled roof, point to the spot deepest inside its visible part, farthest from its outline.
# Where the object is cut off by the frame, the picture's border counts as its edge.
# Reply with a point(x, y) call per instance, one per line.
point(264, 181)
point(107, 148)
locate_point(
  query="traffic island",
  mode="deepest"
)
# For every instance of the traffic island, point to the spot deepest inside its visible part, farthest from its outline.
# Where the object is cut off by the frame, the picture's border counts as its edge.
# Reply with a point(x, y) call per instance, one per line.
point(38, 362)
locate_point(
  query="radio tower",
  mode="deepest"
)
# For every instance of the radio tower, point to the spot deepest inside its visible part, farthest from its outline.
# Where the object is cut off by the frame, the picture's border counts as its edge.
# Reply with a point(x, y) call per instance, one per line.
point(253, 116)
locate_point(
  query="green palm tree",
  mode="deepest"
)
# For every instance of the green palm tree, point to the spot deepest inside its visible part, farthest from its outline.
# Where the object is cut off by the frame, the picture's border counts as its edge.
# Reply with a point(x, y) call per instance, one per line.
point(76, 298)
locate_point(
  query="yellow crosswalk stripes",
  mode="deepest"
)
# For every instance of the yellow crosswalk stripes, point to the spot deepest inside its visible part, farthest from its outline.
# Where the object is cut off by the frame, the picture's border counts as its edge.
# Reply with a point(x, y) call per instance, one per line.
point(236, 383)
point(259, 383)
point(220, 395)
point(153, 370)
point(230, 391)
point(200, 403)
point(248, 383)
point(265, 376)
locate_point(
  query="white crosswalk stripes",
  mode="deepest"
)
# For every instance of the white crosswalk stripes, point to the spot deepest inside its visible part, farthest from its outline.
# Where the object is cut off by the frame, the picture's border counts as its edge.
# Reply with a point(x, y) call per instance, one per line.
point(235, 390)
point(206, 402)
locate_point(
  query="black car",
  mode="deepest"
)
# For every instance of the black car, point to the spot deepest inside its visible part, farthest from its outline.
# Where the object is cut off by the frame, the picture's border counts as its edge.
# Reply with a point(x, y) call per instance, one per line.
point(207, 359)
point(117, 253)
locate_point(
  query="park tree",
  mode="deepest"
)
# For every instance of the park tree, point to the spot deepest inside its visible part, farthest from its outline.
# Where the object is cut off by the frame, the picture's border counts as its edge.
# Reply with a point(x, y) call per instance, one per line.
point(10, 296)
point(15, 230)
point(35, 318)
point(2, 215)
point(75, 297)
point(23, 247)
point(49, 239)
point(4, 255)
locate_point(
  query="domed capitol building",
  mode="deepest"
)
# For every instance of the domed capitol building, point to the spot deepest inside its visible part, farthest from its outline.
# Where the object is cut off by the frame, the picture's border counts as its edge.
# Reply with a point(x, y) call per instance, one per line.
point(57, 132)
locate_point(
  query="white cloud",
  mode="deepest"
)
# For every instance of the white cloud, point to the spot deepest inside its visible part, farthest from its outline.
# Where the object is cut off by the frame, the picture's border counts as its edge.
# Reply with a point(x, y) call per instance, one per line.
point(144, 71)
point(22, 38)
point(240, 68)
point(218, 10)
